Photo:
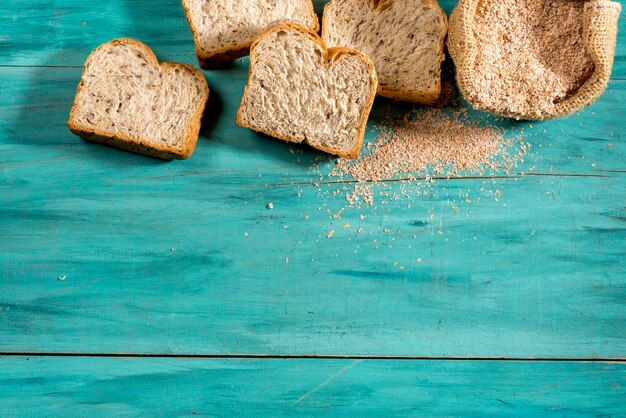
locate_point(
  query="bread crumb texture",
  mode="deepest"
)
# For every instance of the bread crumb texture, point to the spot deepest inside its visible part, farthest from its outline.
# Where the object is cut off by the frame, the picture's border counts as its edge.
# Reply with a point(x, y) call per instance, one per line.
point(125, 93)
point(223, 24)
point(404, 39)
point(300, 93)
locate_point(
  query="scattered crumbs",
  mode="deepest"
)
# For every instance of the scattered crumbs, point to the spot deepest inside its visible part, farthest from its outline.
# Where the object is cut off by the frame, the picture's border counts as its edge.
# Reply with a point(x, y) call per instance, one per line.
point(610, 145)
point(84, 24)
point(359, 230)
point(270, 206)
point(337, 215)
point(330, 234)
point(431, 216)
point(306, 217)
point(286, 260)
point(62, 278)
point(362, 217)
point(346, 226)
point(61, 58)
point(395, 263)
point(498, 192)
point(386, 230)
point(425, 145)
point(361, 193)
point(440, 232)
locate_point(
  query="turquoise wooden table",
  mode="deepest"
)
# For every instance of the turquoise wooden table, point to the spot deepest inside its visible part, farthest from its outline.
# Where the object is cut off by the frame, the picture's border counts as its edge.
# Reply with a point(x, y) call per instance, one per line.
point(135, 287)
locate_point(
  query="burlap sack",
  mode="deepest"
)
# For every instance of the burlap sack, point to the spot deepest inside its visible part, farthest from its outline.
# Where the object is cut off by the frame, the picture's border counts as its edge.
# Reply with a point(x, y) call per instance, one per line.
point(599, 35)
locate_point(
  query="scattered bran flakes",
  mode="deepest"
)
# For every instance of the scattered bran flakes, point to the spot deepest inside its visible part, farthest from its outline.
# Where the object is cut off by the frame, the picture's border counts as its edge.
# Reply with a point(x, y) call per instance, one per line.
point(531, 54)
point(426, 143)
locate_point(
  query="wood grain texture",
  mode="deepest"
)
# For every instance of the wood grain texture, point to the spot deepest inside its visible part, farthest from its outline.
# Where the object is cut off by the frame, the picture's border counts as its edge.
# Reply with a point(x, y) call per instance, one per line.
point(95, 387)
point(102, 251)
point(542, 276)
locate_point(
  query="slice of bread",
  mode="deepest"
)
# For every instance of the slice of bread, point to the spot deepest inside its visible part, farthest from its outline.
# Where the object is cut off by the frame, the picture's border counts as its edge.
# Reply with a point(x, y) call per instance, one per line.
point(126, 99)
point(404, 39)
point(299, 91)
point(223, 30)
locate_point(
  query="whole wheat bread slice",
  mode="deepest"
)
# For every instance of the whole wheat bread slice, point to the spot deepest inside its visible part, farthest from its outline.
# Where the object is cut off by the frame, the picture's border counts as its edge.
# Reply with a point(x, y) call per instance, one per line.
point(404, 39)
point(223, 30)
point(299, 91)
point(126, 99)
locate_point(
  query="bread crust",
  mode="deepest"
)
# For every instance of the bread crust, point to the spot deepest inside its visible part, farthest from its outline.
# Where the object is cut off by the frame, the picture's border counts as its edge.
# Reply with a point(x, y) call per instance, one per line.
point(221, 57)
point(428, 97)
point(141, 146)
point(331, 55)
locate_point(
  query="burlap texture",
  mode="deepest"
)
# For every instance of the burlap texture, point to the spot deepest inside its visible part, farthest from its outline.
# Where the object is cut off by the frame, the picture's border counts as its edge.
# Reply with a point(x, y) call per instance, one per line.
point(599, 35)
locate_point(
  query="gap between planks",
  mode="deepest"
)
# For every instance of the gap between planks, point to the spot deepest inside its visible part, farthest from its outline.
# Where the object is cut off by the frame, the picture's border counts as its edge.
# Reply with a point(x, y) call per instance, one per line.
point(619, 360)
point(438, 178)
point(339, 182)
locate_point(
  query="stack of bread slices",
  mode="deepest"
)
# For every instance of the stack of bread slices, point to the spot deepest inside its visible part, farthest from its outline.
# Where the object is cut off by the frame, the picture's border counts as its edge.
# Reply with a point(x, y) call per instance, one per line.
point(302, 87)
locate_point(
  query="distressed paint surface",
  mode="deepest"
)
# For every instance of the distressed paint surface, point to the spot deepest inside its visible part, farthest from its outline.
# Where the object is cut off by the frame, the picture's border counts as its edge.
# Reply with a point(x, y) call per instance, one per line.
point(494, 280)
point(225, 387)
point(184, 257)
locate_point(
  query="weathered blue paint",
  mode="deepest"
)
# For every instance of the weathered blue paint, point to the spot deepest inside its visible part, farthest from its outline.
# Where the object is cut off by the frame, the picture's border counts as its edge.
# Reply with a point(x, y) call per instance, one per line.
point(131, 387)
point(184, 257)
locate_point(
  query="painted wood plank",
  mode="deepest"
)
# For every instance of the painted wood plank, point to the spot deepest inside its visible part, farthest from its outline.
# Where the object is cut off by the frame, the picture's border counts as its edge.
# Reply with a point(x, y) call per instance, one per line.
point(543, 277)
point(37, 101)
point(77, 27)
point(198, 265)
point(95, 387)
